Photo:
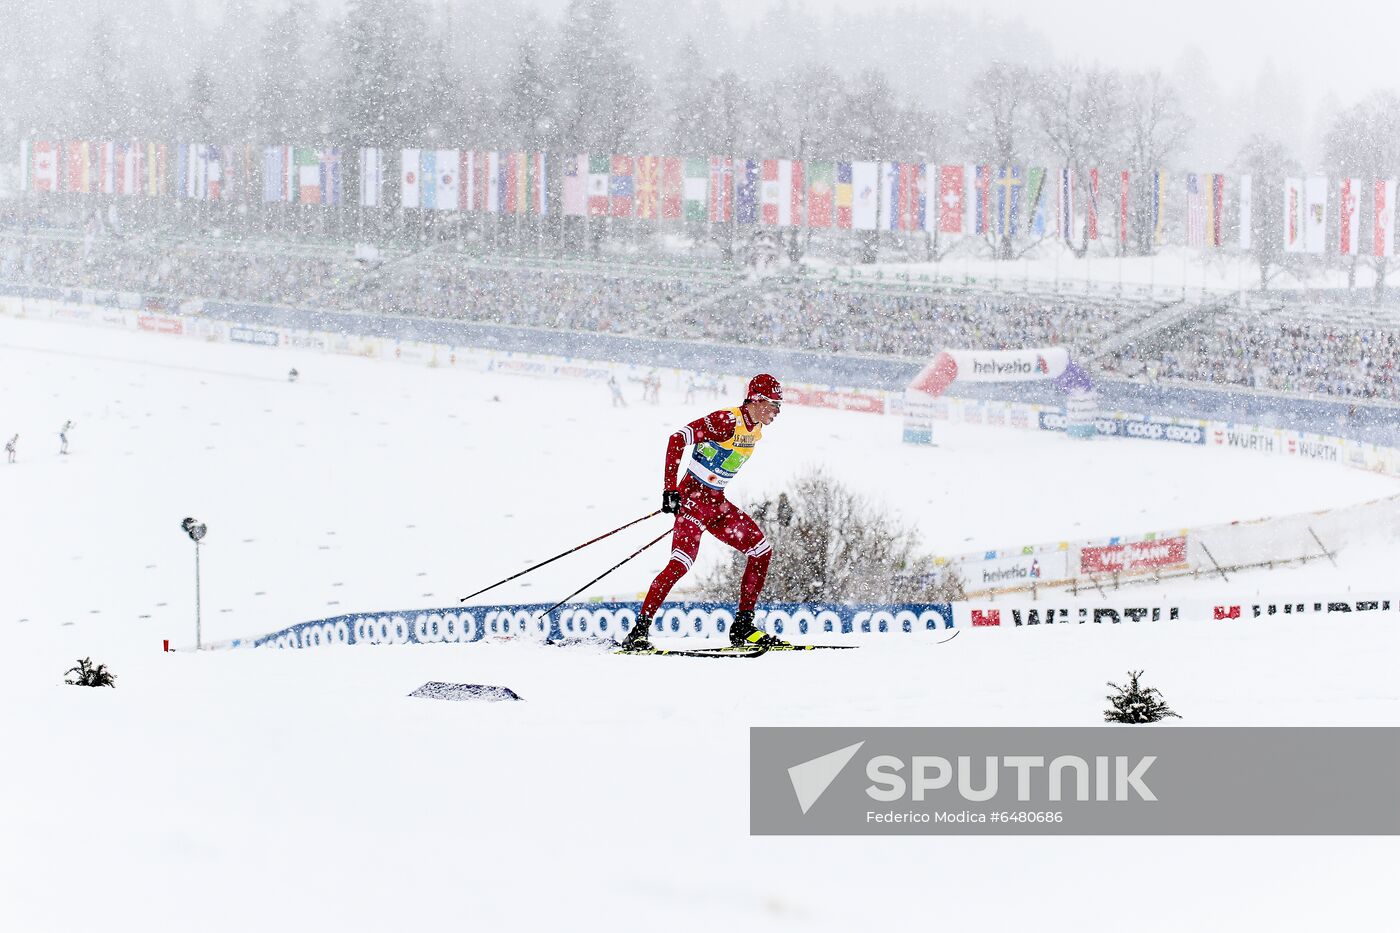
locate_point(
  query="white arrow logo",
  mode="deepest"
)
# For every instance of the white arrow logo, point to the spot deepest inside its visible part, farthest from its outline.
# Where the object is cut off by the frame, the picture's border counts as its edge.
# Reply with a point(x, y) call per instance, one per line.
point(811, 778)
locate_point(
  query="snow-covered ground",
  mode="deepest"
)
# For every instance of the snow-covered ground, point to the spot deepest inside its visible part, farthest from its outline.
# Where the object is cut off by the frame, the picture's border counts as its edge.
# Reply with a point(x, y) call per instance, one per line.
point(304, 790)
point(370, 486)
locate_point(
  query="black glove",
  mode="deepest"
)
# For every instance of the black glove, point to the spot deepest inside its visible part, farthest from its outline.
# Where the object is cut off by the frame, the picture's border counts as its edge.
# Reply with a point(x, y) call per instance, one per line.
point(671, 501)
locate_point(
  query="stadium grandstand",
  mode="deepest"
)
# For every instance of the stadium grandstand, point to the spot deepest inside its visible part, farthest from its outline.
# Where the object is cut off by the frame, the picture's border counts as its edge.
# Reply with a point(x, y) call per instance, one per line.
point(1315, 349)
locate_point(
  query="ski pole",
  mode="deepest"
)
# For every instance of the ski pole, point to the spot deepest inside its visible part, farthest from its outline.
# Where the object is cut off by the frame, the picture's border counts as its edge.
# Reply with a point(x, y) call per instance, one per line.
point(557, 556)
point(604, 573)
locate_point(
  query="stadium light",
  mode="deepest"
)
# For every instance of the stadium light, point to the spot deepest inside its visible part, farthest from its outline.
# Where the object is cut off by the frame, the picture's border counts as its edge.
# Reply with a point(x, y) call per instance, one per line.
point(196, 530)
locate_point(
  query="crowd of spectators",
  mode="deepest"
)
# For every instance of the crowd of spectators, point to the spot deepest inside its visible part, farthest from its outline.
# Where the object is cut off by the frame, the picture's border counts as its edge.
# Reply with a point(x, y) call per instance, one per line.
point(1307, 357)
point(1318, 357)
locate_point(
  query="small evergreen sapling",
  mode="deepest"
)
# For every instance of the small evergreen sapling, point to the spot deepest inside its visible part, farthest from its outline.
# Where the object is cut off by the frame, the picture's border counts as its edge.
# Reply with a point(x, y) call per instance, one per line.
point(88, 675)
point(1137, 704)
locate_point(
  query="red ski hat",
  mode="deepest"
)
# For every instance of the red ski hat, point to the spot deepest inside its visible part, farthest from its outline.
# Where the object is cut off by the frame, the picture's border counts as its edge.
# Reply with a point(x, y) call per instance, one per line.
point(765, 387)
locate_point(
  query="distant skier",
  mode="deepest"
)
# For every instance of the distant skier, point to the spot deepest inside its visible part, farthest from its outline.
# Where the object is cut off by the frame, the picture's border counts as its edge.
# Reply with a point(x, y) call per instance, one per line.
point(63, 436)
point(10, 448)
point(651, 388)
point(722, 442)
point(617, 400)
point(292, 374)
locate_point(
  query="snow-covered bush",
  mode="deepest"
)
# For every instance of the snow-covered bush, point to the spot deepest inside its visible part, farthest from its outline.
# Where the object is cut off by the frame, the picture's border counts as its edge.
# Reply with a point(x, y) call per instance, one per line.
point(1136, 704)
point(87, 675)
point(832, 545)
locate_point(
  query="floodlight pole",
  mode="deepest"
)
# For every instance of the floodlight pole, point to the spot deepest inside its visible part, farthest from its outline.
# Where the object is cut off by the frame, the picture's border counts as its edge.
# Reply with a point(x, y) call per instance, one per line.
point(197, 638)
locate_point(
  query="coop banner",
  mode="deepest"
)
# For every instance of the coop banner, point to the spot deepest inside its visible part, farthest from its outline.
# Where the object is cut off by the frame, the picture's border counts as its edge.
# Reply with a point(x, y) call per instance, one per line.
point(604, 622)
point(1144, 780)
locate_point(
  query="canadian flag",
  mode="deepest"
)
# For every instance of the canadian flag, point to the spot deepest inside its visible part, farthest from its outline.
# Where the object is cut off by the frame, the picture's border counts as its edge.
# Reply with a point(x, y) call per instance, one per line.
point(1385, 217)
point(1350, 202)
point(45, 166)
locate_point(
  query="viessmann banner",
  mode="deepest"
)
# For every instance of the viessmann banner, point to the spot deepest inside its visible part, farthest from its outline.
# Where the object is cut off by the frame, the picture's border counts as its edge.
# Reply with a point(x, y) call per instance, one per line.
point(1126, 780)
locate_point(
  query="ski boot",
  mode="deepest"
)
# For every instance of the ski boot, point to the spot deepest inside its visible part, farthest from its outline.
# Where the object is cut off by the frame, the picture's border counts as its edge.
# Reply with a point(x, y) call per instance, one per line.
point(637, 639)
point(744, 634)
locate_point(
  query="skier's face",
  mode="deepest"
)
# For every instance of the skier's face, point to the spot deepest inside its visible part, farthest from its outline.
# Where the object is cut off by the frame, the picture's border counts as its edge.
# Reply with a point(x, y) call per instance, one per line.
point(764, 411)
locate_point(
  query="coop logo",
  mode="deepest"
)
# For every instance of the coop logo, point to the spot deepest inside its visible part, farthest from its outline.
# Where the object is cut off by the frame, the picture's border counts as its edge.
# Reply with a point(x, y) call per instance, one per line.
point(1156, 431)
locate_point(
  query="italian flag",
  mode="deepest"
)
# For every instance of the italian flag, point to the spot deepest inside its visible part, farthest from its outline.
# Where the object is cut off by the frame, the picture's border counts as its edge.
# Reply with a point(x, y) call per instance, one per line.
point(306, 175)
point(599, 167)
point(696, 189)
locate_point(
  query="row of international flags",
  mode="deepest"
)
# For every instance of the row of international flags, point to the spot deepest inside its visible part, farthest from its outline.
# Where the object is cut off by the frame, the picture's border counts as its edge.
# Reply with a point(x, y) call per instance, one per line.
point(956, 199)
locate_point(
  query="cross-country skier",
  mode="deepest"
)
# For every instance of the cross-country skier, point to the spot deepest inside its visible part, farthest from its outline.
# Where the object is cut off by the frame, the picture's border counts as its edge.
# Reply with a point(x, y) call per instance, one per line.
point(63, 436)
point(617, 400)
point(721, 443)
point(10, 448)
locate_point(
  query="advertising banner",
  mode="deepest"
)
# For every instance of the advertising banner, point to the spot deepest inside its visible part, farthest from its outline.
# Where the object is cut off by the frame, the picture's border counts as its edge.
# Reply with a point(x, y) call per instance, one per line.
point(1135, 557)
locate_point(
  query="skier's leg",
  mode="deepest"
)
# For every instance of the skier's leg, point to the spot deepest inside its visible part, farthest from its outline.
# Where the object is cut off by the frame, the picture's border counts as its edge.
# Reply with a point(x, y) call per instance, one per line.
point(737, 529)
point(685, 544)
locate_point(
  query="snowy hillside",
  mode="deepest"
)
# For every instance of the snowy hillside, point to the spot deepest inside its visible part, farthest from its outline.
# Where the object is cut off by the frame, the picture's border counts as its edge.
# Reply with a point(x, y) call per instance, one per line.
point(304, 790)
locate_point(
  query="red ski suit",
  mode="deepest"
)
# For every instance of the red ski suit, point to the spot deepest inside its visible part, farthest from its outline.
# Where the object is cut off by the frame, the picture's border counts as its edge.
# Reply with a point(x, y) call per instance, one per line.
point(706, 509)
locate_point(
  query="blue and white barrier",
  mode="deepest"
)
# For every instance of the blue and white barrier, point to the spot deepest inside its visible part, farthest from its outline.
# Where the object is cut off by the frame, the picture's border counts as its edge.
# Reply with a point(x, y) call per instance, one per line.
point(599, 620)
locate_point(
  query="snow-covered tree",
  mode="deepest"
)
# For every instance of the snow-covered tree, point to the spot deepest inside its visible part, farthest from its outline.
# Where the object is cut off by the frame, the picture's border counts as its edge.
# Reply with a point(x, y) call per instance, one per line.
point(601, 94)
point(1136, 704)
point(1363, 141)
point(1267, 162)
point(1156, 128)
point(1080, 114)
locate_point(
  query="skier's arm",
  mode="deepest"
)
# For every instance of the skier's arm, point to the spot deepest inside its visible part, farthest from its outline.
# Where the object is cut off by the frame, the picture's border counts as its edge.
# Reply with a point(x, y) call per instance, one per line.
point(716, 426)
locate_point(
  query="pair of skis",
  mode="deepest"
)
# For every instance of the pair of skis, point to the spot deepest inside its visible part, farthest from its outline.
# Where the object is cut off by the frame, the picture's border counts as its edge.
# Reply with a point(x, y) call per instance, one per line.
point(739, 651)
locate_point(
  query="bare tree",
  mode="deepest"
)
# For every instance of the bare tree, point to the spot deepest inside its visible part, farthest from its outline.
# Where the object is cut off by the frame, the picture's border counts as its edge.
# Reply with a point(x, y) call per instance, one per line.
point(1081, 114)
point(1003, 104)
point(602, 96)
point(798, 115)
point(1156, 128)
point(687, 89)
point(527, 118)
point(1363, 141)
point(831, 545)
point(1267, 162)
